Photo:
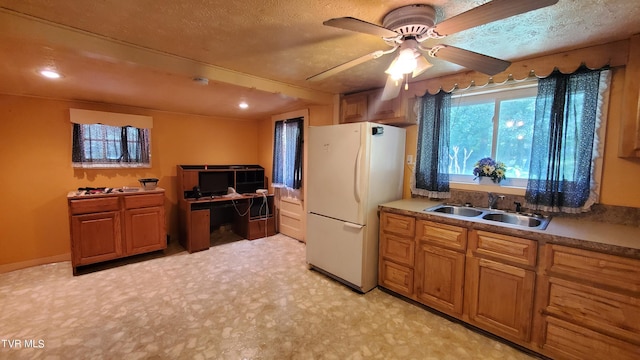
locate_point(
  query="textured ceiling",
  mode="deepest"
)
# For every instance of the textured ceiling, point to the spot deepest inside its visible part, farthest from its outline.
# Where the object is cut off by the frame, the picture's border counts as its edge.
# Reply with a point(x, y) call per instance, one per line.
point(146, 52)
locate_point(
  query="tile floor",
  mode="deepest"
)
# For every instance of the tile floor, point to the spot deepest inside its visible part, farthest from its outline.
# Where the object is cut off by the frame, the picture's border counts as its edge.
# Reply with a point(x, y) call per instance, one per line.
point(239, 300)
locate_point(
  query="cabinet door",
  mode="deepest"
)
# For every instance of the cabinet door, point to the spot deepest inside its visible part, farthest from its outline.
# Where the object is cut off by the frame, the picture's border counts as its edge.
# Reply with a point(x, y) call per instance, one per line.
point(354, 108)
point(145, 230)
point(439, 278)
point(199, 232)
point(387, 109)
point(500, 298)
point(96, 237)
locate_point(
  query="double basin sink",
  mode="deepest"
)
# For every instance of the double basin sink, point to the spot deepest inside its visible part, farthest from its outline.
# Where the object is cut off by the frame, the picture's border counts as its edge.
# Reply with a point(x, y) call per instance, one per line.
point(529, 221)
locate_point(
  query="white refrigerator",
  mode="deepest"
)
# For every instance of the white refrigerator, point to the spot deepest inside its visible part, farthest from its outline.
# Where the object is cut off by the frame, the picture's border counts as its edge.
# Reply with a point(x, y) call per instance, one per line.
point(352, 168)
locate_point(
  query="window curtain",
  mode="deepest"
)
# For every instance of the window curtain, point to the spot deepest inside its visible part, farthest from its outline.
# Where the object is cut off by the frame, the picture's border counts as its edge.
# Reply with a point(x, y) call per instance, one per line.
point(431, 176)
point(287, 153)
point(565, 142)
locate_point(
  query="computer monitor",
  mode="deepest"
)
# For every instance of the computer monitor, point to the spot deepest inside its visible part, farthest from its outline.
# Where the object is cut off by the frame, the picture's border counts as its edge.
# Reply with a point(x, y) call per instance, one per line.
point(215, 182)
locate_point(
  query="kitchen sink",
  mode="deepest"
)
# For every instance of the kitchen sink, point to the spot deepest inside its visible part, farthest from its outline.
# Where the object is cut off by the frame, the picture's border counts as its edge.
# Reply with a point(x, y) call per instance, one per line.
point(456, 210)
point(518, 219)
point(530, 221)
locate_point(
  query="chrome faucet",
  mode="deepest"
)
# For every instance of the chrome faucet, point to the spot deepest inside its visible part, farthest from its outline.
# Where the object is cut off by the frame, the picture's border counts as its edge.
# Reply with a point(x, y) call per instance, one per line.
point(493, 199)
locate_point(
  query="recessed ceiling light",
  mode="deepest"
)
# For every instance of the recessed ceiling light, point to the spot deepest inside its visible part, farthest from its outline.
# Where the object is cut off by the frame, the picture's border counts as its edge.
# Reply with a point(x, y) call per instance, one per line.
point(243, 105)
point(50, 74)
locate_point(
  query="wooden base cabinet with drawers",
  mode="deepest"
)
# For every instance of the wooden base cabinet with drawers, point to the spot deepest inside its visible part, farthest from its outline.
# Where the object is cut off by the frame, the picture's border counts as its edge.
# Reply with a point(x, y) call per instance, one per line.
point(113, 226)
point(397, 249)
point(560, 301)
point(590, 305)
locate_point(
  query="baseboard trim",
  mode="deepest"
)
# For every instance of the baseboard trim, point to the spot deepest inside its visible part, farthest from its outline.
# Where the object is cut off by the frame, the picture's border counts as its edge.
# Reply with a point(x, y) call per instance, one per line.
point(5, 268)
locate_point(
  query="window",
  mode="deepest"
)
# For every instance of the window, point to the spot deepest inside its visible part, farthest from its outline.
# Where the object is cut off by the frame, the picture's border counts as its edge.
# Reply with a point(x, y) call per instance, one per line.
point(496, 124)
point(104, 145)
point(287, 153)
point(110, 140)
point(549, 136)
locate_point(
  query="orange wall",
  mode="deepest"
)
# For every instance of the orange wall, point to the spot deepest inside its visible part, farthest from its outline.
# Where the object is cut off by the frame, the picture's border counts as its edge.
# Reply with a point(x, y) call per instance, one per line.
point(35, 155)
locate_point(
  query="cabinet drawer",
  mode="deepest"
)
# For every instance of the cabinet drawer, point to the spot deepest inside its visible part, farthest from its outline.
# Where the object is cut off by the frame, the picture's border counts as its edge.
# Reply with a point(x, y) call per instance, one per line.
point(87, 206)
point(567, 341)
point(508, 248)
point(398, 249)
point(606, 312)
point(398, 224)
point(140, 201)
point(396, 277)
point(594, 268)
point(447, 236)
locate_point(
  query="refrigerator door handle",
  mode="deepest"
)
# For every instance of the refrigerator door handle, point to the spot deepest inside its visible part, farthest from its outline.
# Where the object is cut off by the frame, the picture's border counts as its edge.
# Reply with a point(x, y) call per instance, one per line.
point(357, 177)
point(353, 226)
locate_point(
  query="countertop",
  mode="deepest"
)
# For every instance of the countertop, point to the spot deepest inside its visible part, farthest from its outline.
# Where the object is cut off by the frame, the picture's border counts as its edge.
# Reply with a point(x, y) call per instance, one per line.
point(609, 238)
point(72, 195)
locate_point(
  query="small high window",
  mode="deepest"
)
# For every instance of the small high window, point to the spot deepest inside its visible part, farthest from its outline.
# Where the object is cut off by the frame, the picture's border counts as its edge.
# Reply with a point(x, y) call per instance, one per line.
point(108, 140)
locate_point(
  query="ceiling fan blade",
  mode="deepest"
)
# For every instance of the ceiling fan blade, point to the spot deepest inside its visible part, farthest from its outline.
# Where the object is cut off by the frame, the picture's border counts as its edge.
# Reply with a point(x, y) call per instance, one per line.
point(391, 89)
point(349, 64)
point(422, 66)
point(489, 12)
point(361, 26)
point(472, 60)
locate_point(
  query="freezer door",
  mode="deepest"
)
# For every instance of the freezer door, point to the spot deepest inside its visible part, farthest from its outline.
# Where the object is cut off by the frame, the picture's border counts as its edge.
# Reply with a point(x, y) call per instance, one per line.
point(336, 247)
point(335, 176)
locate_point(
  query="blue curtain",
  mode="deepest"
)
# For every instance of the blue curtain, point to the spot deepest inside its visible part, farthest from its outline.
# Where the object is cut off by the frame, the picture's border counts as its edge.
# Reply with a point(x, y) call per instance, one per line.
point(563, 139)
point(432, 160)
point(287, 153)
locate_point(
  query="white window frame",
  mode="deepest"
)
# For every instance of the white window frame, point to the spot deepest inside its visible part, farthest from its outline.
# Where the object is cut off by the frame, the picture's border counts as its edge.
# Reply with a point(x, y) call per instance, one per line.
point(497, 93)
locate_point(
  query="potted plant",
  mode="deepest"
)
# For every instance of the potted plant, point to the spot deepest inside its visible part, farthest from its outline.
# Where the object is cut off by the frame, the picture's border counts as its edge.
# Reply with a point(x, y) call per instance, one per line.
point(487, 168)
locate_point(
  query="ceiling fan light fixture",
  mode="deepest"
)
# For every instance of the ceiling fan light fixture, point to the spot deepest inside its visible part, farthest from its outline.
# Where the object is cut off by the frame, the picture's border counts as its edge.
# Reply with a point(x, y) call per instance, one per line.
point(405, 63)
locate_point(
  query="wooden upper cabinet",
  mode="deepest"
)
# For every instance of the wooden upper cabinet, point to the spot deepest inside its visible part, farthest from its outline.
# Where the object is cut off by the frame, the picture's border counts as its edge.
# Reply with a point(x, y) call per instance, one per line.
point(630, 127)
point(368, 106)
point(354, 108)
point(386, 110)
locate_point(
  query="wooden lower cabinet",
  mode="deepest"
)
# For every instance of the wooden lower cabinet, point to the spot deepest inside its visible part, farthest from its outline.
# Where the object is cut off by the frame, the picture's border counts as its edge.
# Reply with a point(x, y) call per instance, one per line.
point(396, 253)
point(144, 230)
point(500, 298)
point(590, 305)
point(110, 227)
point(559, 301)
point(439, 266)
point(396, 277)
point(439, 278)
point(95, 237)
point(200, 235)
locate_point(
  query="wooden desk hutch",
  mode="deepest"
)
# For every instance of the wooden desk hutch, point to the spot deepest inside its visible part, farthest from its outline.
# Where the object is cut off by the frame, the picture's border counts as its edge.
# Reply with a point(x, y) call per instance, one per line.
point(202, 204)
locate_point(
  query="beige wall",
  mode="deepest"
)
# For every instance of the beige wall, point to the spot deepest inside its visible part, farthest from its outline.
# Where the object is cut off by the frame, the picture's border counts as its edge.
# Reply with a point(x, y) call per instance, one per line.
point(35, 153)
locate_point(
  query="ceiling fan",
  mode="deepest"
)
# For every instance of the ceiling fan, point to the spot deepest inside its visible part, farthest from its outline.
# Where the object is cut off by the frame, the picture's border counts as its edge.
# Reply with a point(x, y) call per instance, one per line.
point(405, 28)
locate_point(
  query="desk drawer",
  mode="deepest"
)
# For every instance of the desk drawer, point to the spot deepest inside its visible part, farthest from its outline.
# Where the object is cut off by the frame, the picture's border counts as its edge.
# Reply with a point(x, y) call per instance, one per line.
point(88, 206)
point(141, 201)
